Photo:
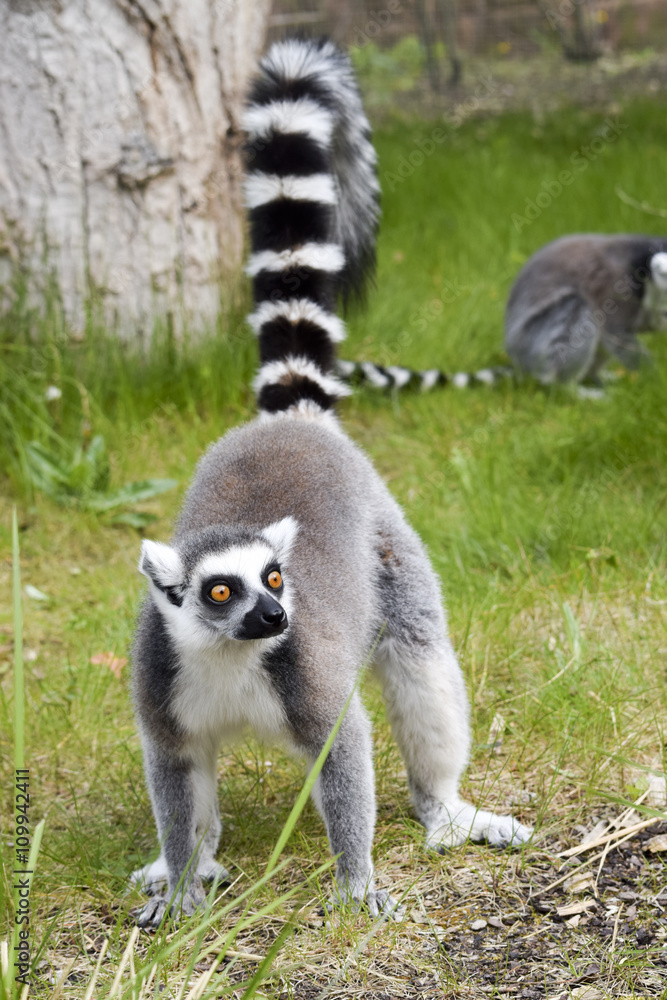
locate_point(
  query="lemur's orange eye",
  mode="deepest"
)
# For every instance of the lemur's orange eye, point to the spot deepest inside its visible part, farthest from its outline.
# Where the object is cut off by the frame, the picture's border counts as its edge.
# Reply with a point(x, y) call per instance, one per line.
point(274, 579)
point(220, 593)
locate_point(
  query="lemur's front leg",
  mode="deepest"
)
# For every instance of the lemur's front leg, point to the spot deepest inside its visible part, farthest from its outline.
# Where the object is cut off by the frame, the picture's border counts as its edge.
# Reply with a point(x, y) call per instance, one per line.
point(345, 796)
point(177, 788)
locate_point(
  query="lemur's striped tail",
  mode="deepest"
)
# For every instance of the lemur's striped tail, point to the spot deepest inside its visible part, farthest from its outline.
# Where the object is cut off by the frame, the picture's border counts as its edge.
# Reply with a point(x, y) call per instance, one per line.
point(312, 199)
point(397, 377)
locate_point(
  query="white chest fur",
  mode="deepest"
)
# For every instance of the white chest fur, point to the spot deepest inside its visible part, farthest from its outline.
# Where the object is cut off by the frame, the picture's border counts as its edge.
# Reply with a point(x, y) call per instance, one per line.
point(224, 690)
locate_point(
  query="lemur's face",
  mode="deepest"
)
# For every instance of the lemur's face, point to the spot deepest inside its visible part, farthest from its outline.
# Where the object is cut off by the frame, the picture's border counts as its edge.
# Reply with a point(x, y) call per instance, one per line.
point(238, 592)
point(659, 271)
point(209, 591)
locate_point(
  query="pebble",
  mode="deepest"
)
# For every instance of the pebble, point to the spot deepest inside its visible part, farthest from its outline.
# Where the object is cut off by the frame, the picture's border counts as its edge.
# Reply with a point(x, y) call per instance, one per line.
point(478, 925)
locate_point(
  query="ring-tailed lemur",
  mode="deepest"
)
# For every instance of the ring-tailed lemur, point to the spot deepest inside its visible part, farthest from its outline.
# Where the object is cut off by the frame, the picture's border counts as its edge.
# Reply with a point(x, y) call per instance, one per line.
point(575, 302)
point(583, 298)
point(290, 558)
point(397, 377)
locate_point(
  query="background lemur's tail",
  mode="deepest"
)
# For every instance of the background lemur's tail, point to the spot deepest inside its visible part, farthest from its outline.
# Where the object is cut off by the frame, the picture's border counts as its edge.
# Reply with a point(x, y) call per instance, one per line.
point(312, 199)
point(397, 377)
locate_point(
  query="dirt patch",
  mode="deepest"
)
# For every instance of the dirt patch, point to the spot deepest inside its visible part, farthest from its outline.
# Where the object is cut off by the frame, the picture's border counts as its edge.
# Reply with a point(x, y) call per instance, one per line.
point(478, 923)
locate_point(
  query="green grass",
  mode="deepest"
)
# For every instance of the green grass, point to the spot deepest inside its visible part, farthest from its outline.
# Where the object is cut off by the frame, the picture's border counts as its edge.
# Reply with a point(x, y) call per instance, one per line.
point(544, 515)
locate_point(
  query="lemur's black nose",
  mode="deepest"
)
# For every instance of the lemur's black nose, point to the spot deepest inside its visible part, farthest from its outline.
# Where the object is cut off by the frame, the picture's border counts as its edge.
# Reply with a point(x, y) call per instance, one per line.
point(276, 617)
point(266, 619)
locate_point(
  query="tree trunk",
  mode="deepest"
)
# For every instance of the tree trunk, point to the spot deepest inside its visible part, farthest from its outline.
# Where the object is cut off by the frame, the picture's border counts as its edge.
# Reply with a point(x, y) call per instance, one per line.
point(119, 154)
point(575, 29)
point(447, 11)
point(584, 48)
point(427, 33)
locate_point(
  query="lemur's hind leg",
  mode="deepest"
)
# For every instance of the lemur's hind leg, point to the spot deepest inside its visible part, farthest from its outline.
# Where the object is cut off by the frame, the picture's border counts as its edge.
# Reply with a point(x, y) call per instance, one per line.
point(427, 704)
point(561, 343)
point(428, 712)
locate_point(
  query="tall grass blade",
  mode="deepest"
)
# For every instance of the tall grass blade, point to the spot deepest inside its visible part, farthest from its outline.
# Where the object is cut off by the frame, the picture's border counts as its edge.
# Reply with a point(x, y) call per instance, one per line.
point(573, 630)
point(313, 774)
point(5, 972)
point(265, 966)
point(9, 983)
point(123, 962)
point(12, 987)
point(19, 688)
point(91, 985)
point(144, 489)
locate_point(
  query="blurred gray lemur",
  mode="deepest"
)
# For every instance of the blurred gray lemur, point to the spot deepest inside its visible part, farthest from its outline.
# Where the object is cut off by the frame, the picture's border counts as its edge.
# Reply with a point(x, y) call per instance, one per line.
point(575, 302)
point(582, 299)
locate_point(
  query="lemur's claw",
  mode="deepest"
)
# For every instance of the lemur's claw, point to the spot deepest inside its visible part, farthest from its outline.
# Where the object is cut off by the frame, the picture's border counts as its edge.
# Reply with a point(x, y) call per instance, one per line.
point(152, 913)
point(382, 906)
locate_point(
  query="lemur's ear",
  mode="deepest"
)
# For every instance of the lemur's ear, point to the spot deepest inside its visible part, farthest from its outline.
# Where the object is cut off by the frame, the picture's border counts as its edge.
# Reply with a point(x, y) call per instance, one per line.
point(163, 567)
point(281, 535)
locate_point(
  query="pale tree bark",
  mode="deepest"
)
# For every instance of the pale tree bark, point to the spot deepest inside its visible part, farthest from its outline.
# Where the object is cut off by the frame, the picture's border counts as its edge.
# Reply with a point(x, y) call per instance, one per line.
point(120, 153)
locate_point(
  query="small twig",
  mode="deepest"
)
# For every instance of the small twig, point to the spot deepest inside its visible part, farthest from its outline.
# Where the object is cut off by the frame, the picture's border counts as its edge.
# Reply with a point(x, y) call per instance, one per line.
point(641, 206)
point(616, 922)
point(60, 985)
point(532, 692)
point(244, 956)
point(596, 857)
point(610, 835)
point(607, 848)
point(91, 984)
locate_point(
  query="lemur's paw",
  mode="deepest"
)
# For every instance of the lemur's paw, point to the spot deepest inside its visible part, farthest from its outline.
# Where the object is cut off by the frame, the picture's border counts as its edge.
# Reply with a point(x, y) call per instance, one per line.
point(185, 905)
point(190, 902)
point(590, 392)
point(152, 913)
point(382, 906)
point(211, 871)
point(505, 831)
point(379, 903)
point(152, 878)
point(460, 821)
